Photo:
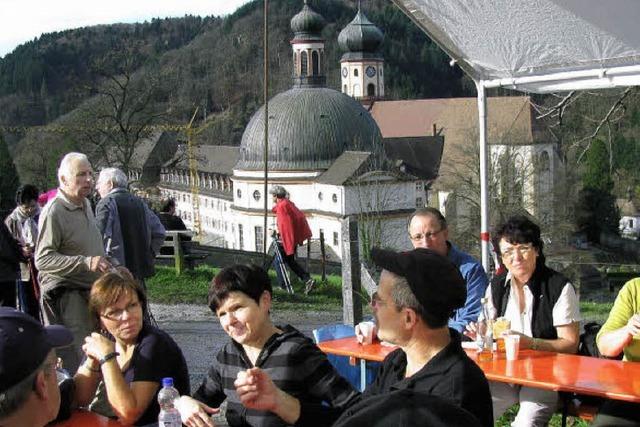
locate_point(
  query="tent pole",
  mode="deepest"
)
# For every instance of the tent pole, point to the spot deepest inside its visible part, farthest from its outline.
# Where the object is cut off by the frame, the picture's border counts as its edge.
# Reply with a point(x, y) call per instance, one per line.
point(484, 191)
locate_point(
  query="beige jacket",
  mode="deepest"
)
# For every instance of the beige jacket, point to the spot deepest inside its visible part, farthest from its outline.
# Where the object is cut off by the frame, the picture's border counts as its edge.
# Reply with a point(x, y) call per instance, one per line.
point(68, 238)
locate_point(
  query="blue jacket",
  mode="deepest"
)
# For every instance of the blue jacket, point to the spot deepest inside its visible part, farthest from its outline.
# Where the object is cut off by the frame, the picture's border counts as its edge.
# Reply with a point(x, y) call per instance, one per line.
point(477, 282)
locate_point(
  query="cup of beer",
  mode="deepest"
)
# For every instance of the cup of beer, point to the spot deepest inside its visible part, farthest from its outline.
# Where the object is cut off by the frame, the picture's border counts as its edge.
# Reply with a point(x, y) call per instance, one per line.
point(500, 325)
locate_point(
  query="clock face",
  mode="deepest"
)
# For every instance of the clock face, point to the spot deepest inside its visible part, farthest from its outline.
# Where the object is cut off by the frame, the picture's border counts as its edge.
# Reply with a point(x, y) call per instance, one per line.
point(344, 72)
point(370, 71)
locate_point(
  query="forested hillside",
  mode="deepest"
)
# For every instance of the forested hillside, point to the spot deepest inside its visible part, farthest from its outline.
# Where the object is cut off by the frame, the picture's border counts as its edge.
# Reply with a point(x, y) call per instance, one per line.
point(93, 89)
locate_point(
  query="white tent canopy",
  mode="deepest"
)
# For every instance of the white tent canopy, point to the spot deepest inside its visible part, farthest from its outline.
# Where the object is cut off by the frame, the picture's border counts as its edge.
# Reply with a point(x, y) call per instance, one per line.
point(534, 46)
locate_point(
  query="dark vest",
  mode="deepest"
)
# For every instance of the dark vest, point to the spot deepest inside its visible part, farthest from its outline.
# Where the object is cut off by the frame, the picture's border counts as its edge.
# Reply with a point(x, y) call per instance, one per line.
point(546, 286)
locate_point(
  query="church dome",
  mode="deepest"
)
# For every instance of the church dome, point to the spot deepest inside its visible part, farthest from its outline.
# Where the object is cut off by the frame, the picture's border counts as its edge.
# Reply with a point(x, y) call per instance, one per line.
point(309, 128)
point(360, 35)
point(307, 23)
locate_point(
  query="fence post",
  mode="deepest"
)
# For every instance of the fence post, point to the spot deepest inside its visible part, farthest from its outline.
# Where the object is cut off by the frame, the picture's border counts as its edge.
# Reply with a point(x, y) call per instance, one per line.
point(351, 287)
point(178, 254)
point(323, 256)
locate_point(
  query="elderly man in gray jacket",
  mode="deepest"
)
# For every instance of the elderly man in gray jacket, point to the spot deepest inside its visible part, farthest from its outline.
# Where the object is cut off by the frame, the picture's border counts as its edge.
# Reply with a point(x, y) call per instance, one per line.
point(133, 233)
point(70, 255)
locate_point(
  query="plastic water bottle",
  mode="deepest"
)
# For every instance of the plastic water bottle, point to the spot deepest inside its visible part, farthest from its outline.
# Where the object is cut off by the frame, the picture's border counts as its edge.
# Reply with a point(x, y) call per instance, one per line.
point(169, 415)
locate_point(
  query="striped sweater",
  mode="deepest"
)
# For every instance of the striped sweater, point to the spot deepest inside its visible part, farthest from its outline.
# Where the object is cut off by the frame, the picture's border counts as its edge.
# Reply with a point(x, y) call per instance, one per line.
point(295, 364)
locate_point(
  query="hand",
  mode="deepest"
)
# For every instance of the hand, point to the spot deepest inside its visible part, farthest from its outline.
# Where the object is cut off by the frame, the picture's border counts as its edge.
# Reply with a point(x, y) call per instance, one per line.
point(633, 325)
point(471, 330)
point(97, 346)
point(100, 264)
point(256, 390)
point(27, 251)
point(194, 413)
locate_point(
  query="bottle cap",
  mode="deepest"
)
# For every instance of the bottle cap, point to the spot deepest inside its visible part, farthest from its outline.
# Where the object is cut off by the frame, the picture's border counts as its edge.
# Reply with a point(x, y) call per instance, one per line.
point(167, 382)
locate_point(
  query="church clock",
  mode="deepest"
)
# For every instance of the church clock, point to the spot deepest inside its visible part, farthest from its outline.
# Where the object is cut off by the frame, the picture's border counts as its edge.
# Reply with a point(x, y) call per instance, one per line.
point(344, 71)
point(370, 71)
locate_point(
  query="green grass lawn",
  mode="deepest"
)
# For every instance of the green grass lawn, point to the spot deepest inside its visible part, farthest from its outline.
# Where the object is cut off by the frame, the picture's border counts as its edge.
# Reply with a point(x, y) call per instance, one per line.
point(192, 286)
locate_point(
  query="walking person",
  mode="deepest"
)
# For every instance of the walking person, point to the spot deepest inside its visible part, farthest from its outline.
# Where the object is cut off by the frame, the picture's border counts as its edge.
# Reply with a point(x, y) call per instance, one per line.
point(293, 229)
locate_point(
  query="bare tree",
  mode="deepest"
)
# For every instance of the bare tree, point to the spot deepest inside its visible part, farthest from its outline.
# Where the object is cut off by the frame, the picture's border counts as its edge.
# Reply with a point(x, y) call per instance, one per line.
point(521, 181)
point(124, 109)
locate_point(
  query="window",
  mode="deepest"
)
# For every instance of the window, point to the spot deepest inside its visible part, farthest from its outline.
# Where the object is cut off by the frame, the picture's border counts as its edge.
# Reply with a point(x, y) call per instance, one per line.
point(259, 238)
point(371, 89)
point(344, 89)
point(320, 196)
point(335, 238)
point(239, 193)
point(303, 63)
point(256, 196)
point(355, 72)
point(315, 63)
point(334, 198)
point(419, 202)
point(240, 237)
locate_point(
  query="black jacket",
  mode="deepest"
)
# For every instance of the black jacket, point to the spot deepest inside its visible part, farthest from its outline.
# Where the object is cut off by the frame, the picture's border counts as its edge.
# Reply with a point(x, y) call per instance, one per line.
point(450, 375)
point(546, 285)
point(10, 255)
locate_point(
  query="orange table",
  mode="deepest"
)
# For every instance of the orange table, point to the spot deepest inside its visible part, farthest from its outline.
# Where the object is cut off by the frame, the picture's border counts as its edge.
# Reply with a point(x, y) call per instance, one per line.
point(82, 418)
point(611, 379)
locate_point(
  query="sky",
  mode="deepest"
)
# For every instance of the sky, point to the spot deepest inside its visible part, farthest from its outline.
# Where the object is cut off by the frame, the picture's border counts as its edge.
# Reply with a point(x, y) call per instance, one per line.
point(24, 20)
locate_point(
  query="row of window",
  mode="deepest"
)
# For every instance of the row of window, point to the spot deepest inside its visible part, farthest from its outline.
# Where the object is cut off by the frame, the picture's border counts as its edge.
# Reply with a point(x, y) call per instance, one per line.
point(314, 68)
point(202, 179)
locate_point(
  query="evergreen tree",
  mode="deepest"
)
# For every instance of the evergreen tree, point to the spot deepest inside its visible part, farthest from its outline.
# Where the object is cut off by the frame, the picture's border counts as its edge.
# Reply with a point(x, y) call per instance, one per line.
point(596, 207)
point(8, 179)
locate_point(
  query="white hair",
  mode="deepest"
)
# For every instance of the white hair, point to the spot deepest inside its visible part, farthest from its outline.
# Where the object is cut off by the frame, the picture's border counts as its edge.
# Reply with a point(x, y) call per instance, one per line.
point(115, 176)
point(66, 164)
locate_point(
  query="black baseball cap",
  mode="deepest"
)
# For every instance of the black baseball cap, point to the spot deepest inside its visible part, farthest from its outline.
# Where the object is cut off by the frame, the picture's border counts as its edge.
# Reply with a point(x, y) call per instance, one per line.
point(435, 281)
point(25, 344)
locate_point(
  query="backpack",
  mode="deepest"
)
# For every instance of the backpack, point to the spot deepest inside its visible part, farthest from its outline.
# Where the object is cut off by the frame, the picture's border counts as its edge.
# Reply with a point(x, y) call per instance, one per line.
point(587, 345)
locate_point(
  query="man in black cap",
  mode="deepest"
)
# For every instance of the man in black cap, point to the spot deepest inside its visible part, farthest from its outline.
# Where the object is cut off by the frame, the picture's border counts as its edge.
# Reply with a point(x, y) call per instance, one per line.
point(417, 294)
point(29, 394)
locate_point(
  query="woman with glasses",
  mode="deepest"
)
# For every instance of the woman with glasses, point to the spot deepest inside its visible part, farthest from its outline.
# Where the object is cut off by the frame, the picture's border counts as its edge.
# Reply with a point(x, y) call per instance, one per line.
point(543, 309)
point(126, 358)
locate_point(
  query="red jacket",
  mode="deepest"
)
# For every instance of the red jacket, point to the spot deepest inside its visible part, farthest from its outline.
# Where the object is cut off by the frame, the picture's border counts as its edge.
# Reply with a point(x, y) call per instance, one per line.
point(292, 225)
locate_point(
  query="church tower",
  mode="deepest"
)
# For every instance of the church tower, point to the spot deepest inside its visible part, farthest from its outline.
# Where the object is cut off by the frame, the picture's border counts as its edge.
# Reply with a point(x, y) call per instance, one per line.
point(308, 48)
point(362, 65)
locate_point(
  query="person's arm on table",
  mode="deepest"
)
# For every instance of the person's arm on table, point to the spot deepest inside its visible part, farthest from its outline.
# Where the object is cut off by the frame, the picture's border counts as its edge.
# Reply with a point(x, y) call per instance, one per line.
point(128, 401)
point(622, 324)
point(612, 343)
point(477, 283)
point(195, 413)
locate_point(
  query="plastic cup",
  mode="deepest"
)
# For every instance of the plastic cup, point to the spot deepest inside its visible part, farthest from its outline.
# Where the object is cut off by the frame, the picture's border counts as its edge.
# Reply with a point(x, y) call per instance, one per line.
point(512, 346)
point(365, 332)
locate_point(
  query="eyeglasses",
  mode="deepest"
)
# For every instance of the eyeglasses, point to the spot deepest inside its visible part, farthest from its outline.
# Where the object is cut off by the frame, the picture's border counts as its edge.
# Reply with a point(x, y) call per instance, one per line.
point(521, 250)
point(430, 235)
point(117, 314)
point(376, 301)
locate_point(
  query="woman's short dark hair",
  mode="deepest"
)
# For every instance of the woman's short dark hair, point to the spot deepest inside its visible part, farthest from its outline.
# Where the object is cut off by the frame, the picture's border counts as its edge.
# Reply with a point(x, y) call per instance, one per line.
point(109, 288)
point(251, 280)
point(520, 229)
point(26, 193)
point(167, 205)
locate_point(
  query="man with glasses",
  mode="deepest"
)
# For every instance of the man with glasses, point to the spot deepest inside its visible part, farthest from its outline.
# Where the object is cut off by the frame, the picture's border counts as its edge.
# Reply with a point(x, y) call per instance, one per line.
point(29, 393)
point(417, 292)
point(428, 229)
point(69, 254)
